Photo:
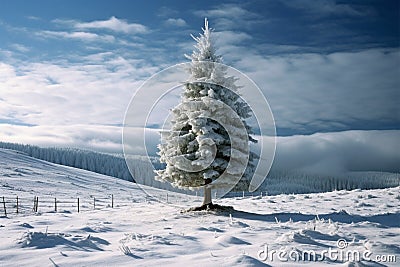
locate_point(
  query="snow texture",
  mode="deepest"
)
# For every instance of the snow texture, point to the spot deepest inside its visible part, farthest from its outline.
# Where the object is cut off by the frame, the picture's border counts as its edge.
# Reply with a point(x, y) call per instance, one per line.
point(139, 231)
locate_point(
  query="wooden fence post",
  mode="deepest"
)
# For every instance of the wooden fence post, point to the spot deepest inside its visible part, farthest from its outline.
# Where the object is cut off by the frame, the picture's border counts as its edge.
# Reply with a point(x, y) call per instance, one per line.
point(4, 205)
point(55, 204)
point(94, 203)
point(78, 204)
point(17, 205)
point(36, 204)
point(112, 201)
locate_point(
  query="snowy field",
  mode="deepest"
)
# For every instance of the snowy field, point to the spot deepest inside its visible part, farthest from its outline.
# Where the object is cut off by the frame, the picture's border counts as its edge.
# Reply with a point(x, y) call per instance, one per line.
point(141, 231)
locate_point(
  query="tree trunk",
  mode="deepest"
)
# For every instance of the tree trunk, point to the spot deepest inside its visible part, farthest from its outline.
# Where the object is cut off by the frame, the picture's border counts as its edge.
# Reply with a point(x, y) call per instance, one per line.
point(207, 202)
point(207, 196)
point(207, 193)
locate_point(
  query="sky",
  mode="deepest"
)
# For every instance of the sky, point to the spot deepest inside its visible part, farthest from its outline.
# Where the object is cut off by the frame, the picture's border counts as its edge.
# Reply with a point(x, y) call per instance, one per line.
point(68, 69)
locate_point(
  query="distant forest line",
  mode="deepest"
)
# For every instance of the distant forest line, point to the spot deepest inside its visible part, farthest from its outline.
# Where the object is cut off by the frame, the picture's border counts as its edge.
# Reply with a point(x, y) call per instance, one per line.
point(277, 181)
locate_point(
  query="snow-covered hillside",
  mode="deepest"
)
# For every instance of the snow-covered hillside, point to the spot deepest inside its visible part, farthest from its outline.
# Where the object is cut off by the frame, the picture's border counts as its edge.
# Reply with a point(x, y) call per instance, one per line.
point(280, 180)
point(140, 231)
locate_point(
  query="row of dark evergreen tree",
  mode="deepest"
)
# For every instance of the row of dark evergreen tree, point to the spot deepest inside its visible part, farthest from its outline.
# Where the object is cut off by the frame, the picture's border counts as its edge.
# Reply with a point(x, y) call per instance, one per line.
point(108, 164)
point(277, 182)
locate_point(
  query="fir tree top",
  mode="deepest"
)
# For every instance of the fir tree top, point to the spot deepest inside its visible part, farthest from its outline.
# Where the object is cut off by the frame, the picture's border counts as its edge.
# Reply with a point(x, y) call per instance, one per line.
point(204, 45)
point(206, 65)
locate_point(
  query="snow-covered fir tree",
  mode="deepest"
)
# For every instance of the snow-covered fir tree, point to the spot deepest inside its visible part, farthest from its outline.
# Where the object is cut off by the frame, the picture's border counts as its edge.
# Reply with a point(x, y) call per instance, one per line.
point(208, 145)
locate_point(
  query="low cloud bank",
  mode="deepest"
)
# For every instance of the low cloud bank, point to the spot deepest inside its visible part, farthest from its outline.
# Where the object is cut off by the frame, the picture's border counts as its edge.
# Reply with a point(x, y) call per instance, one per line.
point(320, 153)
point(340, 152)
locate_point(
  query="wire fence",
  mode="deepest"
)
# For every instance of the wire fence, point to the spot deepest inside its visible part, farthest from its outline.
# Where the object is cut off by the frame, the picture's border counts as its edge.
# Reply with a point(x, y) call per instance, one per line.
point(16, 205)
point(29, 205)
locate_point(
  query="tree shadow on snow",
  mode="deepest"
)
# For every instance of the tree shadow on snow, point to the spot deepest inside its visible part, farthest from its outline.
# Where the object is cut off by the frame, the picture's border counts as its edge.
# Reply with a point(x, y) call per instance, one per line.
point(385, 220)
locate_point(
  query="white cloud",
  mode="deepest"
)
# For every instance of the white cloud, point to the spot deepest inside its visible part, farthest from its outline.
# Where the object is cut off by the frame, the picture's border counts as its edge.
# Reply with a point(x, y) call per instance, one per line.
point(20, 48)
point(114, 24)
point(328, 7)
point(103, 138)
point(93, 137)
point(230, 17)
point(332, 153)
point(6, 71)
point(33, 18)
point(96, 91)
point(166, 12)
point(226, 10)
point(226, 38)
point(307, 92)
point(79, 35)
point(176, 22)
point(321, 92)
